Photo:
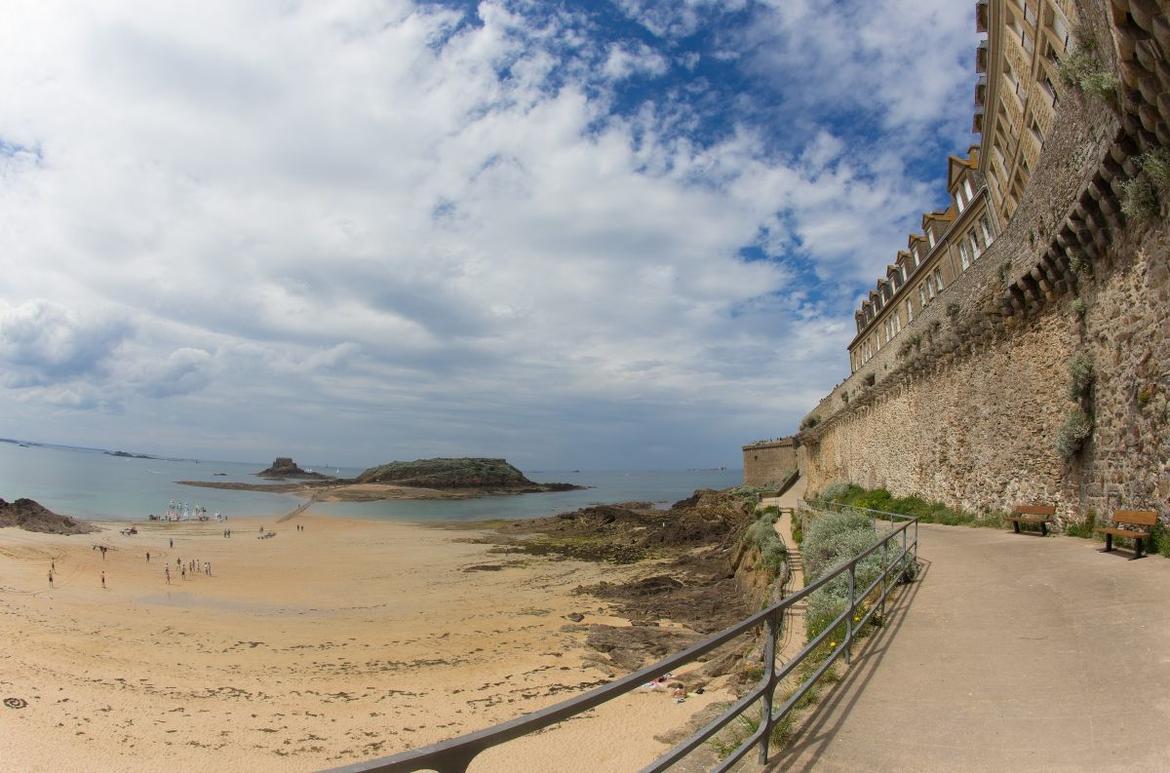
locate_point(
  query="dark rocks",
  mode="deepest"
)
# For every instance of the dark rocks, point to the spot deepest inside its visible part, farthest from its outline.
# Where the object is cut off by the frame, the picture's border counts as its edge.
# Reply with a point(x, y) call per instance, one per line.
point(32, 516)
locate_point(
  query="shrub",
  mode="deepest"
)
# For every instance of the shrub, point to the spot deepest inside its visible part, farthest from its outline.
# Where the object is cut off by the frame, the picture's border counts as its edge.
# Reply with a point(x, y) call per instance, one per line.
point(833, 537)
point(1160, 539)
point(1156, 165)
point(1084, 527)
point(1081, 375)
point(1139, 199)
point(810, 421)
point(1079, 307)
point(1078, 264)
point(762, 533)
point(1083, 71)
point(1073, 433)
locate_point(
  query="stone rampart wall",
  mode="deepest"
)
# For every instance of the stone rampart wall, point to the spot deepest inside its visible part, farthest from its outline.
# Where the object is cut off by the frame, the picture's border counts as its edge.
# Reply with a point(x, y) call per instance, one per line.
point(965, 406)
point(765, 464)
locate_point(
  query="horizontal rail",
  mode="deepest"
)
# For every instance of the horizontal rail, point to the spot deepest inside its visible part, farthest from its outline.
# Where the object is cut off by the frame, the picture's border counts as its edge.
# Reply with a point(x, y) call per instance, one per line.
point(454, 755)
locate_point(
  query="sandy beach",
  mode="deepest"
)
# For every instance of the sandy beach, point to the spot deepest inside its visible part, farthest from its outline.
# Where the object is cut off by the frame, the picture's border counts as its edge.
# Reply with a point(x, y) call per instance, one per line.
point(344, 641)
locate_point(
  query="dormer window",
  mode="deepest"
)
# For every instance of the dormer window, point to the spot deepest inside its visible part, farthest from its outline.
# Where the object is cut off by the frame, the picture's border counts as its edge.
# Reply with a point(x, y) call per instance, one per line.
point(930, 237)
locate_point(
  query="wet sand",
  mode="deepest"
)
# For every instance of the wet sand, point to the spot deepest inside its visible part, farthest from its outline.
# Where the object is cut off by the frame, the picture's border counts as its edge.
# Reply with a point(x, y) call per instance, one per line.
point(349, 640)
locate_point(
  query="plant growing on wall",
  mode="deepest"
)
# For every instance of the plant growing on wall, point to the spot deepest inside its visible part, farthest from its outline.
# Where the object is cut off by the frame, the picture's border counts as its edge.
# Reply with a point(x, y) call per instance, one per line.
point(1079, 307)
point(1077, 429)
point(1081, 376)
point(1139, 199)
point(1083, 71)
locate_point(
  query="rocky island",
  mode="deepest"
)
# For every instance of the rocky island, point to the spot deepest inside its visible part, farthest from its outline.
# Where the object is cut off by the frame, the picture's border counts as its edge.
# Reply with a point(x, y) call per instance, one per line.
point(284, 467)
point(440, 478)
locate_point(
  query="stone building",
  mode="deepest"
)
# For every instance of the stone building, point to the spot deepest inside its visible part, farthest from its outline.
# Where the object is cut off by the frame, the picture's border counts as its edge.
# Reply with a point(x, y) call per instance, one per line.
point(1016, 93)
point(1015, 103)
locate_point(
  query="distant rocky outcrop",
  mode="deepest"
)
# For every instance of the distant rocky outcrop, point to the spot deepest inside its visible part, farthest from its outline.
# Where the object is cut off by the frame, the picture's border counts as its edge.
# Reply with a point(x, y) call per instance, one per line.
point(32, 516)
point(285, 467)
point(458, 473)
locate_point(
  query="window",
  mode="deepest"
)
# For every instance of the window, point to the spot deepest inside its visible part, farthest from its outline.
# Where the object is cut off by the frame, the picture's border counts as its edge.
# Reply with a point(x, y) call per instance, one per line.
point(964, 256)
point(938, 283)
point(909, 311)
point(1049, 89)
point(930, 237)
point(897, 323)
point(1060, 28)
point(959, 199)
point(922, 295)
point(976, 250)
point(902, 271)
point(967, 187)
point(985, 226)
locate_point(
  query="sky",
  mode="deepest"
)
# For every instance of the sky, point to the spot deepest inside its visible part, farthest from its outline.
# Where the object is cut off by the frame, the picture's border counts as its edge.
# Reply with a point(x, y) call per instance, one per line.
point(599, 235)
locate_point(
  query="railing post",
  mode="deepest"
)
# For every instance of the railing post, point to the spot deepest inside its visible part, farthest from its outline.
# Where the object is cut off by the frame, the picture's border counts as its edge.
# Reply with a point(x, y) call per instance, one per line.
point(852, 610)
point(885, 580)
point(770, 676)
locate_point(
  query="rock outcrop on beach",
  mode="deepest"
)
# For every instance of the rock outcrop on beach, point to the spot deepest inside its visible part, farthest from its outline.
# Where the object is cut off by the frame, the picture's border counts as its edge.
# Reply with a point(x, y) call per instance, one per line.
point(284, 467)
point(696, 578)
point(32, 516)
point(494, 475)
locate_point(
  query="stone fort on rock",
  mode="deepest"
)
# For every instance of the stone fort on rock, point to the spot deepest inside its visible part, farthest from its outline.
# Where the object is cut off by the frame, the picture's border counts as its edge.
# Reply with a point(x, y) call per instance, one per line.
point(1018, 348)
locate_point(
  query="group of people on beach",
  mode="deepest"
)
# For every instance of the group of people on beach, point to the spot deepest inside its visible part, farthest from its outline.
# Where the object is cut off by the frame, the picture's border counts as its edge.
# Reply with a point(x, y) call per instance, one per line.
point(193, 566)
point(182, 569)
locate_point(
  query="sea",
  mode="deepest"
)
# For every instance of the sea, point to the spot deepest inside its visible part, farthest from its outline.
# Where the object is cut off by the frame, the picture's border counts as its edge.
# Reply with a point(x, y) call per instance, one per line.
point(93, 484)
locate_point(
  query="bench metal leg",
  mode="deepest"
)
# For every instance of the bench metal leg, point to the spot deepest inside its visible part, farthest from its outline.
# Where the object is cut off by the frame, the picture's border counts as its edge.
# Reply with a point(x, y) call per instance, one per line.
point(1137, 548)
point(1108, 542)
point(1043, 528)
point(1016, 524)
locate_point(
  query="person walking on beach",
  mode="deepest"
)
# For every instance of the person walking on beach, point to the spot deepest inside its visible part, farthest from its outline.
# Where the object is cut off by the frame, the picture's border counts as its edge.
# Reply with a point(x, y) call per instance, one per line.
point(103, 549)
point(148, 556)
point(172, 542)
point(167, 571)
point(184, 570)
point(50, 578)
point(103, 580)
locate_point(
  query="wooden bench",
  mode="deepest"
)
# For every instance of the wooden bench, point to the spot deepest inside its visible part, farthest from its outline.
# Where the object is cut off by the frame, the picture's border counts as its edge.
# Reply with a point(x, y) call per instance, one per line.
point(1131, 524)
point(1040, 514)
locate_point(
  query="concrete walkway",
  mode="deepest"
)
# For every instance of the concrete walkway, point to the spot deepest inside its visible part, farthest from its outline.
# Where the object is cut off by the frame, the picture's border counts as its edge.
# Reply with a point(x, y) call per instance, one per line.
point(1012, 653)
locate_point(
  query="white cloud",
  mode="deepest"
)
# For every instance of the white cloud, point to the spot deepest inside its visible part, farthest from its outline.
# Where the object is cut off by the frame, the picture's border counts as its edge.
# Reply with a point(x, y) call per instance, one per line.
point(45, 343)
point(624, 60)
point(381, 223)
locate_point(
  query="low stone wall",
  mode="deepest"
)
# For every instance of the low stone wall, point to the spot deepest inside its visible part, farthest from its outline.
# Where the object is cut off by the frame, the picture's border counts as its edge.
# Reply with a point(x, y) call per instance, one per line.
point(966, 404)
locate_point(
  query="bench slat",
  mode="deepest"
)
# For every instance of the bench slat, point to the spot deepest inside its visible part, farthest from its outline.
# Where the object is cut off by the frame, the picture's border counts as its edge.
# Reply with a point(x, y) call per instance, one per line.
point(1123, 532)
point(1034, 510)
point(1137, 517)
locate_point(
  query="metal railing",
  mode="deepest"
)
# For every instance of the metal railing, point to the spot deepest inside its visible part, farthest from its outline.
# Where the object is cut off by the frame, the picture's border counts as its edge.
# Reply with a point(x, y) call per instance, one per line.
point(454, 755)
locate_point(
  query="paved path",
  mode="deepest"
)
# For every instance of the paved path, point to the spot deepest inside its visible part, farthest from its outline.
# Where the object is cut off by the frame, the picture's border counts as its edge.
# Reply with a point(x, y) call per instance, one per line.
point(997, 661)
